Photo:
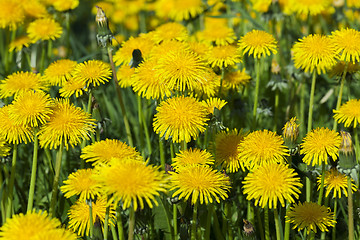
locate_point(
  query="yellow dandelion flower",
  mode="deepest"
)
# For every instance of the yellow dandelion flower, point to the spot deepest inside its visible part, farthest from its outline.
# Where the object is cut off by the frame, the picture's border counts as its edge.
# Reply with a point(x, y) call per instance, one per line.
point(315, 7)
point(73, 86)
point(260, 147)
point(180, 70)
point(311, 216)
point(68, 125)
point(4, 147)
point(124, 54)
point(180, 118)
point(158, 51)
point(315, 53)
point(223, 56)
point(185, 9)
point(200, 48)
point(349, 113)
point(124, 75)
point(33, 225)
point(212, 103)
point(221, 35)
point(353, 3)
point(226, 149)
point(79, 217)
point(19, 43)
point(132, 183)
point(339, 68)
point(146, 84)
point(258, 43)
point(19, 82)
point(201, 183)
point(13, 133)
point(336, 181)
point(11, 14)
point(81, 183)
point(44, 29)
point(261, 5)
point(192, 156)
point(58, 72)
point(65, 5)
point(56, 234)
point(170, 31)
point(347, 41)
point(92, 72)
point(31, 108)
point(35, 9)
point(104, 150)
point(270, 183)
point(318, 144)
point(209, 86)
point(236, 79)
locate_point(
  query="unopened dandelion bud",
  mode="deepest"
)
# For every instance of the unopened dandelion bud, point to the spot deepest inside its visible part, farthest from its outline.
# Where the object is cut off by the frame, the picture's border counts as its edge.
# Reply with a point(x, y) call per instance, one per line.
point(104, 36)
point(248, 228)
point(347, 158)
point(291, 133)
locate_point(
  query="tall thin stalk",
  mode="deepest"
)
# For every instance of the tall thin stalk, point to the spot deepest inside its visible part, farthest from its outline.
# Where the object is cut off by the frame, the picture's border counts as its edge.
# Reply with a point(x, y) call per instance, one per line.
point(33, 174)
point(257, 87)
point(193, 224)
point(266, 222)
point(131, 223)
point(350, 210)
point(11, 183)
point(56, 180)
point(341, 89)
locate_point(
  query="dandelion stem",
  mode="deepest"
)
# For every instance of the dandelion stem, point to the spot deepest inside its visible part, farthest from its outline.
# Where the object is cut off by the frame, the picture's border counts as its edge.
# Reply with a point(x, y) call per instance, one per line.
point(266, 222)
point(276, 109)
point(277, 224)
point(56, 180)
point(350, 210)
point(175, 221)
point(113, 232)
point(335, 211)
point(321, 193)
point(193, 224)
point(11, 183)
point(340, 93)
point(257, 87)
point(120, 225)
point(162, 153)
point(33, 174)
point(106, 223)
point(121, 101)
point(131, 223)
point(210, 209)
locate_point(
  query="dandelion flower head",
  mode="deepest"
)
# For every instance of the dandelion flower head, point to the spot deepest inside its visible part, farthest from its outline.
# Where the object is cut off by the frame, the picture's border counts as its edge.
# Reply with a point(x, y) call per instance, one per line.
point(308, 7)
point(73, 86)
point(200, 182)
point(235, 79)
point(125, 74)
point(260, 147)
point(212, 103)
point(219, 35)
point(65, 5)
point(226, 149)
point(258, 43)
point(170, 31)
point(103, 151)
point(44, 29)
point(68, 125)
point(132, 182)
point(19, 43)
point(92, 72)
point(315, 53)
point(270, 183)
point(185, 9)
point(223, 56)
point(311, 216)
point(347, 40)
point(349, 113)
point(180, 118)
point(192, 156)
point(58, 72)
point(318, 144)
point(209, 86)
point(336, 181)
point(11, 14)
point(81, 183)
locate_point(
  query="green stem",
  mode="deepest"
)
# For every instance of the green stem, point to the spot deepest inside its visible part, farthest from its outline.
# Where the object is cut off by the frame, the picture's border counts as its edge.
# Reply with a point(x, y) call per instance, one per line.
point(106, 223)
point(257, 87)
point(266, 222)
point(42, 59)
point(88, 110)
point(162, 152)
point(338, 103)
point(221, 80)
point(321, 193)
point(183, 145)
point(210, 209)
point(175, 221)
point(302, 110)
point(140, 119)
point(91, 219)
point(121, 101)
point(350, 210)
point(357, 144)
point(11, 183)
point(56, 180)
point(131, 223)
point(277, 224)
point(287, 224)
point(120, 225)
point(250, 213)
point(113, 233)
point(335, 211)
point(311, 103)
point(33, 174)
point(225, 225)
point(193, 224)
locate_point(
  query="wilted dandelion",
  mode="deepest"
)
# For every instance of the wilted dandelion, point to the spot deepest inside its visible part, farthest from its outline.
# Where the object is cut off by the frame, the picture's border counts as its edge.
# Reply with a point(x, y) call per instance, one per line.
point(270, 183)
point(349, 113)
point(311, 216)
point(200, 182)
point(180, 118)
point(318, 144)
